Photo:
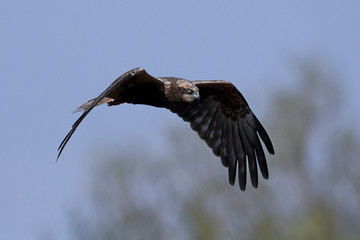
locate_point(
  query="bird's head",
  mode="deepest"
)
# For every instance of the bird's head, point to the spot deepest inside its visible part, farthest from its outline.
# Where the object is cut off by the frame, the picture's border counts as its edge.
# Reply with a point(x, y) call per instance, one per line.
point(187, 91)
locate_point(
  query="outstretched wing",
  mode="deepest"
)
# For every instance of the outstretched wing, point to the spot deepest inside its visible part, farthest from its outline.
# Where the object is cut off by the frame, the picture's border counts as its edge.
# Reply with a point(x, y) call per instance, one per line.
point(136, 76)
point(224, 120)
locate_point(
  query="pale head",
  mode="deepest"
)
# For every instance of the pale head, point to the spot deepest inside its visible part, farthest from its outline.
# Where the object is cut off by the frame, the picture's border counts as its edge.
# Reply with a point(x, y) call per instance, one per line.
point(187, 91)
point(180, 90)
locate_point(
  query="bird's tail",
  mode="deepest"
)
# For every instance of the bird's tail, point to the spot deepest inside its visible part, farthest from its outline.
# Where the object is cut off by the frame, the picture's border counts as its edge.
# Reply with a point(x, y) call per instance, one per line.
point(86, 105)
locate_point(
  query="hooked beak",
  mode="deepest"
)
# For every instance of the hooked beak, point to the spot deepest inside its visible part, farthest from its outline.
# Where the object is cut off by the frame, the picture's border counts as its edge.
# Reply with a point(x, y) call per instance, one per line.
point(196, 96)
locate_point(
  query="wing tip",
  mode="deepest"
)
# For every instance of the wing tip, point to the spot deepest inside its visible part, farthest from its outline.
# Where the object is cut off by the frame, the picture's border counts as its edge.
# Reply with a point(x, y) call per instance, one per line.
point(271, 149)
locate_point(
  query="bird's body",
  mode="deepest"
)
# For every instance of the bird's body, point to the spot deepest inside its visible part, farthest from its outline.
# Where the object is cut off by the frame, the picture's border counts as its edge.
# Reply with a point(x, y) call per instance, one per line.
point(215, 109)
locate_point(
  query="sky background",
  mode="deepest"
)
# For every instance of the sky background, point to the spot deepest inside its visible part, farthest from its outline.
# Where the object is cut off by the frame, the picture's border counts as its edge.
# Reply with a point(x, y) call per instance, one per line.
point(55, 55)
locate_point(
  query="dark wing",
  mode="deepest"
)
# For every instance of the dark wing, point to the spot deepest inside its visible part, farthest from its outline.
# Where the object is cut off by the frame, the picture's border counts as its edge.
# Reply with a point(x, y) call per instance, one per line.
point(224, 120)
point(130, 78)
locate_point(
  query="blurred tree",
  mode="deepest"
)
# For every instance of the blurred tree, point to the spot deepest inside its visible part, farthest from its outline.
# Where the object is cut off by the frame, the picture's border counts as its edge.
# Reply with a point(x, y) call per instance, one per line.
point(312, 158)
point(313, 192)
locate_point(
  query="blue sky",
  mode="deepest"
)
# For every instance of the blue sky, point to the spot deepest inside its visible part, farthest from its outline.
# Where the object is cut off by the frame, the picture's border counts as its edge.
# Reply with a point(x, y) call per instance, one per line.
point(55, 55)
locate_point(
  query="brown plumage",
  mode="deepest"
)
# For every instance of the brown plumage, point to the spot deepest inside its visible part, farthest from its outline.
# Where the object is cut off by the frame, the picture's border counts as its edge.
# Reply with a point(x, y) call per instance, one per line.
point(216, 110)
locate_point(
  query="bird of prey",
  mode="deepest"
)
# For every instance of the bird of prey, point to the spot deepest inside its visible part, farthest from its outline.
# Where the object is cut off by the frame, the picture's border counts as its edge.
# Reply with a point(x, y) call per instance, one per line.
point(216, 110)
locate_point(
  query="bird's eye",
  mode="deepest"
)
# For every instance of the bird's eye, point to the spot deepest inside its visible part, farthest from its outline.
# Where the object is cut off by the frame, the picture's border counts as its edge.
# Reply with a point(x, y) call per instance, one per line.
point(189, 90)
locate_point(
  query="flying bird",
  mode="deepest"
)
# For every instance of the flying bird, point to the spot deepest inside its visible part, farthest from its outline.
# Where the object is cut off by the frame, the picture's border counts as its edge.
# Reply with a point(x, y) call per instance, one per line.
point(216, 110)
